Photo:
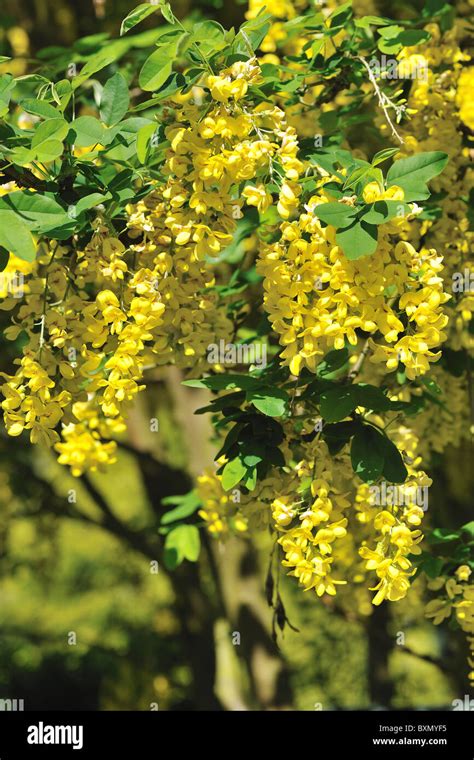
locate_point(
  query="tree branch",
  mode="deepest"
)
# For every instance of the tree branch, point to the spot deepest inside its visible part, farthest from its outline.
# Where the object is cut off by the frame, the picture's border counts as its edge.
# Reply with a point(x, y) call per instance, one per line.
point(25, 178)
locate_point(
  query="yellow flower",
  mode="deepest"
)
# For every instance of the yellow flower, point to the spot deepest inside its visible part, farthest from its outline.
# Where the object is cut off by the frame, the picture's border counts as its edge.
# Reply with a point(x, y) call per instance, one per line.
point(439, 610)
point(257, 196)
point(463, 573)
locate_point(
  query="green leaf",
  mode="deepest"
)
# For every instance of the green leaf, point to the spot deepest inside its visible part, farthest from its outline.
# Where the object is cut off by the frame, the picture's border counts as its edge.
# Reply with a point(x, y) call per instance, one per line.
point(341, 431)
point(210, 36)
point(252, 453)
point(382, 155)
point(51, 130)
point(394, 469)
point(223, 382)
point(432, 566)
point(176, 81)
point(7, 83)
point(115, 100)
point(252, 33)
point(107, 55)
point(334, 361)
point(140, 13)
point(90, 201)
point(185, 507)
point(166, 12)
point(336, 214)
point(4, 258)
point(391, 32)
point(410, 37)
point(362, 175)
point(158, 66)
point(432, 386)
point(337, 403)
point(360, 239)
point(233, 473)
point(381, 212)
point(270, 401)
point(49, 151)
point(40, 108)
point(341, 15)
point(367, 21)
point(367, 459)
point(468, 528)
point(414, 172)
point(22, 156)
point(371, 397)
point(443, 535)
point(143, 140)
point(88, 130)
point(41, 213)
point(250, 481)
point(183, 542)
point(15, 236)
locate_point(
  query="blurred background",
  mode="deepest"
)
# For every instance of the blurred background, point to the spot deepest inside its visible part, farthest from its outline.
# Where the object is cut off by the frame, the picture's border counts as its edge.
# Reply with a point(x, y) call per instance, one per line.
point(88, 620)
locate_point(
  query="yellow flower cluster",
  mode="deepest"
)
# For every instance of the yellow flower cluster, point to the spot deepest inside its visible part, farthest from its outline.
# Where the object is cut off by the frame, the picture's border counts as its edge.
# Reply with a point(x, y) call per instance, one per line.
point(465, 98)
point(191, 219)
point(95, 317)
point(317, 298)
point(327, 521)
point(442, 103)
point(310, 532)
point(221, 511)
point(457, 598)
point(441, 424)
point(389, 518)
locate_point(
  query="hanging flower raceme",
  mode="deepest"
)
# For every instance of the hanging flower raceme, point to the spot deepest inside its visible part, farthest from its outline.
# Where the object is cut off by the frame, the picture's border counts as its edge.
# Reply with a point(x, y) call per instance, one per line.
point(317, 298)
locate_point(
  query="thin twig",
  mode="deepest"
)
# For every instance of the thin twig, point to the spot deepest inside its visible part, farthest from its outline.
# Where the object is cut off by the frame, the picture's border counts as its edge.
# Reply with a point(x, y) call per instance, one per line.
point(384, 101)
point(360, 360)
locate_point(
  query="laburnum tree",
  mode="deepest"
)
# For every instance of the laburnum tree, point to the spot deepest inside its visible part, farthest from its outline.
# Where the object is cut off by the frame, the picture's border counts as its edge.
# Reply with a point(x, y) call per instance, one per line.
point(283, 212)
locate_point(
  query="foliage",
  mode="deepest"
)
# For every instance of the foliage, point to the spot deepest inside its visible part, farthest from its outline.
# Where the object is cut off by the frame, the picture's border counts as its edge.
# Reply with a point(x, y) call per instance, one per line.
point(167, 201)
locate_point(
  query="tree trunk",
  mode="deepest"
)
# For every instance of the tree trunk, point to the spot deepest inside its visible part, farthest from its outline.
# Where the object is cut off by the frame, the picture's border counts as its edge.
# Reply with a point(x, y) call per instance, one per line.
point(380, 645)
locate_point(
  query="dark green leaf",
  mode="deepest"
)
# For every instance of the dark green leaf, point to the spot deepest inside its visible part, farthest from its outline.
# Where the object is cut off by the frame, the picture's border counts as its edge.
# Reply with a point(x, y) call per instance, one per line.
point(337, 403)
point(334, 361)
point(394, 469)
point(4, 258)
point(367, 459)
point(222, 382)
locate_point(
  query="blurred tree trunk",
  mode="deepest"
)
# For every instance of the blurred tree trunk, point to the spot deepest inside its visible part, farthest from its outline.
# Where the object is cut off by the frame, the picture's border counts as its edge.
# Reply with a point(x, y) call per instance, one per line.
point(380, 643)
point(250, 620)
point(234, 590)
